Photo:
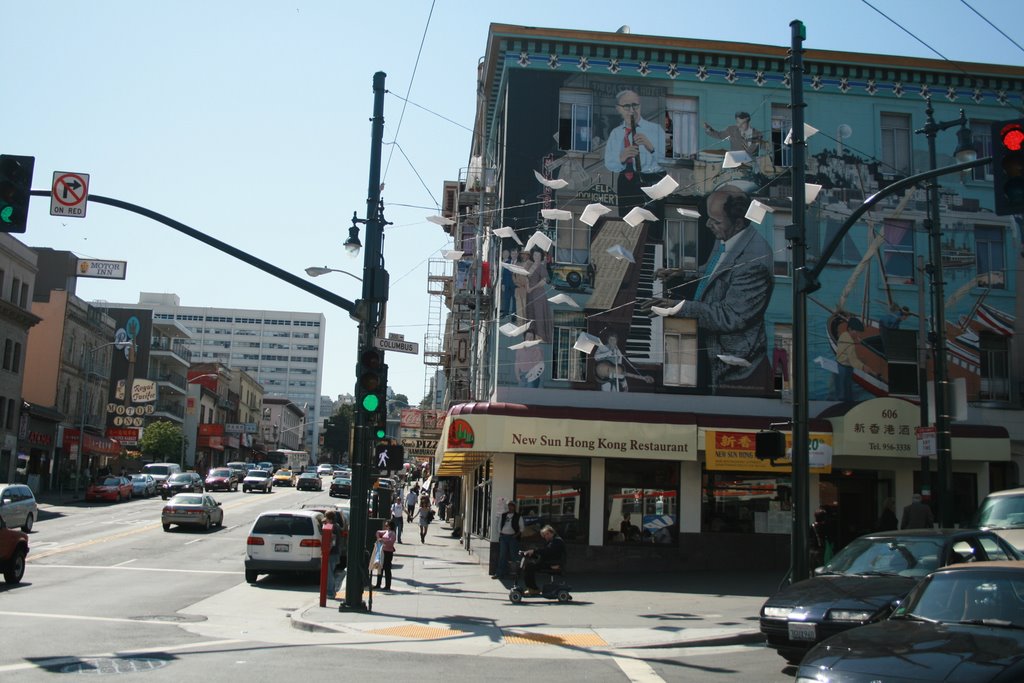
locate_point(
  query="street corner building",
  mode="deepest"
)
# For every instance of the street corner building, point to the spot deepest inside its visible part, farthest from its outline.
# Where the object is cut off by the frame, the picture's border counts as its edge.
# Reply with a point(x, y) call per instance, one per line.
point(615, 324)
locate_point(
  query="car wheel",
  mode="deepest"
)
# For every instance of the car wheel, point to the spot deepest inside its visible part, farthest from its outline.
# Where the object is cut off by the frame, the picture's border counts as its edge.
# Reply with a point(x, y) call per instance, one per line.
point(206, 523)
point(220, 522)
point(251, 575)
point(29, 521)
point(167, 527)
point(16, 569)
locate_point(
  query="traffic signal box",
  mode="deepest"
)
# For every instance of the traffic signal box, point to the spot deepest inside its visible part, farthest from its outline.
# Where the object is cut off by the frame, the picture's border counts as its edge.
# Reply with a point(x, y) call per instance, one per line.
point(389, 456)
point(1008, 166)
point(770, 445)
point(15, 191)
point(371, 391)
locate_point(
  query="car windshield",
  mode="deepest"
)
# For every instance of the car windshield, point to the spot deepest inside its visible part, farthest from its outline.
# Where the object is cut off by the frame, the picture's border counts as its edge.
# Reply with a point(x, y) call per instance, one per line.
point(975, 596)
point(186, 500)
point(308, 475)
point(157, 469)
point(342, 480)
point(259, 474)
point(179, 477)
point(223, 472)
point(910, 556)
point(110, 481)
point(284, 473)
point(138, 477)
point(1001, 512)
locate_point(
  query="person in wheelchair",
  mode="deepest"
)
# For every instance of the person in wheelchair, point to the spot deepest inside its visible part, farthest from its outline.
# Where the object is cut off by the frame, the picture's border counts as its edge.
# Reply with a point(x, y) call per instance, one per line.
point(548, 559)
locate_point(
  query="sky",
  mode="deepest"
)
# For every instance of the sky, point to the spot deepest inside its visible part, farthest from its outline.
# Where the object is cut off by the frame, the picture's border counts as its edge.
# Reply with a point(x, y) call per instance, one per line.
point(250, 122)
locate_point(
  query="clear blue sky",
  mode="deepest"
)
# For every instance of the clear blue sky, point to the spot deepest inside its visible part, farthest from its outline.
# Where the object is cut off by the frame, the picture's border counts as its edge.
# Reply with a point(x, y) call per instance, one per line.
point(249, 121)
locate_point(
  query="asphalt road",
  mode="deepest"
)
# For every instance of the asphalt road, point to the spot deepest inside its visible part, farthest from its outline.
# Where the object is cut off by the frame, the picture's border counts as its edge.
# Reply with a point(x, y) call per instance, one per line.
point(107, 591)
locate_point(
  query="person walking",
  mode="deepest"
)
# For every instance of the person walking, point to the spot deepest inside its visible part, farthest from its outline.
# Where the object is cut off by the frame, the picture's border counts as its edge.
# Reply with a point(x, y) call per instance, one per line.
point(387, 538)
point(397, 515)
point(887, 520)
point(917, 515)
point(423, 516)
point(410, 503)
point(335, 553)
point(510, 528)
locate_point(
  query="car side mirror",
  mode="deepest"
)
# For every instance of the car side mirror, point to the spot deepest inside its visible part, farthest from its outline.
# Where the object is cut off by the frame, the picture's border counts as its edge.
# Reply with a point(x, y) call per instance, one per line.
point(5, 501)
point(218, 503)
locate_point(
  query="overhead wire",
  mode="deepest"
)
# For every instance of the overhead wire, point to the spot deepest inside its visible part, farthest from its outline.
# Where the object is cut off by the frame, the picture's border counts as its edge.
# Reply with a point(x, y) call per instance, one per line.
point(985, 19)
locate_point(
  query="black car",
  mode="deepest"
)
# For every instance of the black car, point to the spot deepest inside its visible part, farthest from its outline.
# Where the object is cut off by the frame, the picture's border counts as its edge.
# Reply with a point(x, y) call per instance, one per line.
point(309, 481)
point(964, 622)
point(340, 487)
point(182, 482)
point(865, 580)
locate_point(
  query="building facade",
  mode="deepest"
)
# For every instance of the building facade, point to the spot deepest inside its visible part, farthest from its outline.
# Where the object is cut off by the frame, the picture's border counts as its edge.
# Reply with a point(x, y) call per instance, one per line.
point(620, 321)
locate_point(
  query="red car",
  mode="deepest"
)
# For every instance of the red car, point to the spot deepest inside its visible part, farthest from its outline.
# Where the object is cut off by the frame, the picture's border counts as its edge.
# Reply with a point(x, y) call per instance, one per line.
point(113, 489)
point(221, 479)
point(13, 549)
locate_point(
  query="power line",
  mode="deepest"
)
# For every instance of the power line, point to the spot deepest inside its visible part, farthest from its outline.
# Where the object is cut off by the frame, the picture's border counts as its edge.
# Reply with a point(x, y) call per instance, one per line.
point(985, 19)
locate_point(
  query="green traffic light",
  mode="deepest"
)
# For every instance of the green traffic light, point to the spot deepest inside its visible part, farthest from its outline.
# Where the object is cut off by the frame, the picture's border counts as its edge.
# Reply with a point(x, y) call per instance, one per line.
point(371, 402)
point(381, 433)
point(6, 214)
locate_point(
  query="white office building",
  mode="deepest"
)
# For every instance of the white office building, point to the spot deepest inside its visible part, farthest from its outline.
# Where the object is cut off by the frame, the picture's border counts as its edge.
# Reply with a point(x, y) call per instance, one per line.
point(283, 350)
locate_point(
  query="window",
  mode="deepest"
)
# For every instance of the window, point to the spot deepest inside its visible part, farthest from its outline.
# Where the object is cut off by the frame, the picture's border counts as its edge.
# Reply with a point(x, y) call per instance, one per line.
point(555, 491)
point(995, 367)
point(681, 127)
point(641, 501)
point(681, 243)
point(15, 290)
point(988, 246)
point(568, 363)
point(782, 355)
point(981, 132)
point(847, 251)
point(898, 251)
point(900, 349)
point(572, 243)
point(782, 122)
point(574, 120)
point(8, 354)
point(895, 129)
point(732, 501)
point(680, 352)
point(16, 358)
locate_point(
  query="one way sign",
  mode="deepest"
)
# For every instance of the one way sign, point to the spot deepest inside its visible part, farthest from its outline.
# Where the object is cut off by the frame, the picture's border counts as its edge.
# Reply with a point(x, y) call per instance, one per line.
point(68, 194)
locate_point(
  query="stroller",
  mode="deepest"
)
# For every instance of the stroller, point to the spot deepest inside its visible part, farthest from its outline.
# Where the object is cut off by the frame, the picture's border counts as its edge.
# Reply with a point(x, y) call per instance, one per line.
point(555, 589)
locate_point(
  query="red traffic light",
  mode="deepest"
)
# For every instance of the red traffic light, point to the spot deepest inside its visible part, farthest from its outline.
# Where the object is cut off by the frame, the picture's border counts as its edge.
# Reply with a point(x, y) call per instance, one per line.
point(1012, 137)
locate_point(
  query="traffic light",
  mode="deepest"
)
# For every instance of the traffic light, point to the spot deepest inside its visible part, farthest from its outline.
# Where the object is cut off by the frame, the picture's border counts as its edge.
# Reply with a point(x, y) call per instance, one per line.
point(770, 445)
point(389, 456)
point(1008, 166)
point(371, 391)
point(15, 190)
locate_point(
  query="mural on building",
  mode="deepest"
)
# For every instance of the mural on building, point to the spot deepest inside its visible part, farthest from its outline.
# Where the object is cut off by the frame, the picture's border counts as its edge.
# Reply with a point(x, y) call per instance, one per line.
point(679, 299)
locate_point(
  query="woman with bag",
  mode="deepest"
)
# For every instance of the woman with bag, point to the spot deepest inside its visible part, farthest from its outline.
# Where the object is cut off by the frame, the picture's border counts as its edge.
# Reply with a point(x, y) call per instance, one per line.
point(386, 537)
point(424, 514)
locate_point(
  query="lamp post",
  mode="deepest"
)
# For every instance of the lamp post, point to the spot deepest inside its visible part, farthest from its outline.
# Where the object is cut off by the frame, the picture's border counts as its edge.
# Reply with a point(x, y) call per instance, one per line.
point(316, 271)
point(965, 152)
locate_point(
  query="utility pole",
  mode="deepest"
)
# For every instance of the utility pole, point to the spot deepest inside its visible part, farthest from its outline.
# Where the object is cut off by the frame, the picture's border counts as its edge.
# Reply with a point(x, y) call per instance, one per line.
point(369, 312)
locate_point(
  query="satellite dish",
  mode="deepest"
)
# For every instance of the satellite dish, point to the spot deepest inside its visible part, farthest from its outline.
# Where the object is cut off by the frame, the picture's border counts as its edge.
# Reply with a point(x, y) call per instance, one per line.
point(843, 132)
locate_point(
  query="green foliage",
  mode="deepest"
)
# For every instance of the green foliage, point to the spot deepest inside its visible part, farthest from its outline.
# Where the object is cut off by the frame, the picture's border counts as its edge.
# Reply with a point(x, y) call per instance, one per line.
point(162, 442)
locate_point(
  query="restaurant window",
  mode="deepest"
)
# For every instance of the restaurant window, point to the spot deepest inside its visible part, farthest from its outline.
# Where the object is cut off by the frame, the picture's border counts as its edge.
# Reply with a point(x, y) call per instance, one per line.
point(641, 501)
point(574, 120)
point(738, 502)
point(555, 491)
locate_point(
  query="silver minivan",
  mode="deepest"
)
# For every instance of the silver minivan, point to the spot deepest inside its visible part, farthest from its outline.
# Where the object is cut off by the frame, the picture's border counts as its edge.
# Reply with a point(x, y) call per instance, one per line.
point(1003, 513)
point(18, 506)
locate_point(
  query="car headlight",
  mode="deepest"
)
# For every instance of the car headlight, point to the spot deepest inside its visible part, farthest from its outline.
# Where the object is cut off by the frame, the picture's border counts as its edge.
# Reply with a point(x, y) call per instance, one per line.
point(849, 615)
point(777, 612)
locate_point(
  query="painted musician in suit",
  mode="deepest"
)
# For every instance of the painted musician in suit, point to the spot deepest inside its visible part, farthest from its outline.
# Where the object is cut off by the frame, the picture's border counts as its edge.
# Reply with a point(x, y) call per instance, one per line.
point(730, 306)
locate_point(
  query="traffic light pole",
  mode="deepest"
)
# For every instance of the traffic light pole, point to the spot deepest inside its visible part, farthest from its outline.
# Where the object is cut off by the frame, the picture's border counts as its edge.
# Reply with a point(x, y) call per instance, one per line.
point(370, 309)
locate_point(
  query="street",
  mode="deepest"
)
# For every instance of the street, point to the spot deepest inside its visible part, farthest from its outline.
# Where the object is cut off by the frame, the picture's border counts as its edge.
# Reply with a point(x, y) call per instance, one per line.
point(108, 591)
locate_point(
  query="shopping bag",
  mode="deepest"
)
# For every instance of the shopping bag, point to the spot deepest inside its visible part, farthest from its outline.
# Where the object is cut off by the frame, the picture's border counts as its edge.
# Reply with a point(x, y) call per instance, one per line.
point(377, 557)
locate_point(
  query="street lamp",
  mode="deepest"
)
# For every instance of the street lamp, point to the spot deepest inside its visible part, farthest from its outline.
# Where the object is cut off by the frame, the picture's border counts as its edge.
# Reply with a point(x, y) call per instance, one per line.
point(943, 438)
point(316, 271)
point(352, 244)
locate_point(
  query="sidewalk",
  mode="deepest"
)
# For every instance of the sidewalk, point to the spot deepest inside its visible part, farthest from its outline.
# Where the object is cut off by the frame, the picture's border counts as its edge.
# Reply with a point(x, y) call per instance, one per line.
point(444, 599)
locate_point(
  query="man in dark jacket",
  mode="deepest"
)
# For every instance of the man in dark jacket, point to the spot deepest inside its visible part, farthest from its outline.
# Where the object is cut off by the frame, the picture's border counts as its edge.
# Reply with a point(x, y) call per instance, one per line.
point(551, 556)
point(510, 527)
point(917, 515)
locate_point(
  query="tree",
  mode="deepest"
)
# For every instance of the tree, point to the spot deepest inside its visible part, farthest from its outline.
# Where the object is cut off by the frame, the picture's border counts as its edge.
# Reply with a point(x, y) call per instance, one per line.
point(162, 441)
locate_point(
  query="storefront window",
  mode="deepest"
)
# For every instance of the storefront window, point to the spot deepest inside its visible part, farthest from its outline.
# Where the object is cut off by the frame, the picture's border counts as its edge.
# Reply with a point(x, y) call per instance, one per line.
point(641, 501)
point(746, 503)
point(482, 500)
point(553, 491)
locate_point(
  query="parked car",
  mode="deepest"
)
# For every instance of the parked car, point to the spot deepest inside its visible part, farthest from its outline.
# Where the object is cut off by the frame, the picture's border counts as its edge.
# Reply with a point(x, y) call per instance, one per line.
point(284, 541)
point(340, 487)
point(180, 483)
point(963, 622)
point(221, 479)
point(323, 469)
point(1003, 513)
point(238, 470)
point(284, 477)
point(109, 488)
point(161, 470)
point(13, 551)
point(309, 481)
point(143, 486)
point(258, 480)
point(192, 509)
point(18, 506)
point(863, 582)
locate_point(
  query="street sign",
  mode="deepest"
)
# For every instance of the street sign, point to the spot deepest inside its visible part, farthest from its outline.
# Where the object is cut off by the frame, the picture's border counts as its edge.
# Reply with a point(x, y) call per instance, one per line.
point(69, 194)
point(396, 345)
point(926, 441)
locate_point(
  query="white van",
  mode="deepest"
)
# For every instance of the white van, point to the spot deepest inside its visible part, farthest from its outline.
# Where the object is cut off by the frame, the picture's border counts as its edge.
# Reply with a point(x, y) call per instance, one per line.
point(1003, 513)
point(161, 470)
